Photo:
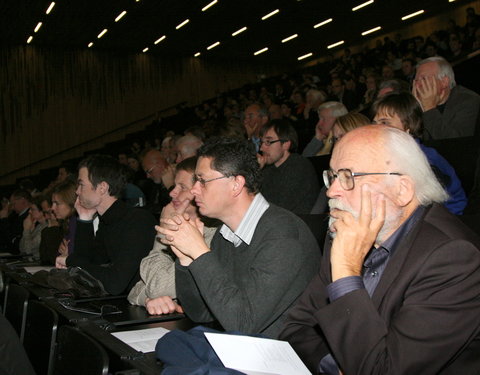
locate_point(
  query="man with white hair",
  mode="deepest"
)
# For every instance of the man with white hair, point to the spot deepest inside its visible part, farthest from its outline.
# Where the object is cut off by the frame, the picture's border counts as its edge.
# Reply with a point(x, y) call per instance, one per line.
point(449, 110)
point(187, 147)
point(398, 291)
point(322, 142)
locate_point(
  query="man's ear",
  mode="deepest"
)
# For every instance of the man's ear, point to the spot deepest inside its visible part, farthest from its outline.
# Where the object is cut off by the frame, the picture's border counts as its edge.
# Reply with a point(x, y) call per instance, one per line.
point(238, 185)
point(103, 187)
point(286, 145)
point(406, 191)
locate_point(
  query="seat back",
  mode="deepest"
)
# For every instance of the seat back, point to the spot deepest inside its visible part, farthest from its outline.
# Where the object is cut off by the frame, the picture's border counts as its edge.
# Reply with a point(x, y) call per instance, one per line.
point(79, 354)
point(40, 336)
point(16, 307)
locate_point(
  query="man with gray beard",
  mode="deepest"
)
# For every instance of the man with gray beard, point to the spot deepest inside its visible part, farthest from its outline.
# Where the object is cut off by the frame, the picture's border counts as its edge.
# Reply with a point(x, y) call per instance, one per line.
point(398, 291)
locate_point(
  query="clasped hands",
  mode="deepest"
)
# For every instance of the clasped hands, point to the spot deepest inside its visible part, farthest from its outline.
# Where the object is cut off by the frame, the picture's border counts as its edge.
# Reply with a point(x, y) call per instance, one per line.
point(183, 234)
point(355, 236)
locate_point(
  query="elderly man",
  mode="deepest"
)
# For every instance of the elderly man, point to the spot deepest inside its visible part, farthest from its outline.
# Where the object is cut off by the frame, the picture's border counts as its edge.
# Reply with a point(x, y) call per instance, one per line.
point(321, 143)
point(289, 179)
point(255, 117)
point(449, 110)
point(399, 287)
point(161, 173)
point(125, 235)
point(187, 147)
point(258, 262)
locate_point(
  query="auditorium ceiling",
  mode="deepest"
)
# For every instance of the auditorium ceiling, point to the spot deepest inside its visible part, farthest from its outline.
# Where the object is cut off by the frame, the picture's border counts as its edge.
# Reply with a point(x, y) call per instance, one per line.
point(76, 24)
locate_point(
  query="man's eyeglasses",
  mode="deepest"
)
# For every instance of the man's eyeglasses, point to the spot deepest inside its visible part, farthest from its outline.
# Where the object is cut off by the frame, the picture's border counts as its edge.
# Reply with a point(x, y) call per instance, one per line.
point(203, 181)
point(268, 142)
point(346, 177)
point(149, 170)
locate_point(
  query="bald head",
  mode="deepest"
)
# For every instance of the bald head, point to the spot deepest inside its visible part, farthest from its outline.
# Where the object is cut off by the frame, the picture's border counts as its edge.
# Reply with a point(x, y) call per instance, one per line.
point(154, 165)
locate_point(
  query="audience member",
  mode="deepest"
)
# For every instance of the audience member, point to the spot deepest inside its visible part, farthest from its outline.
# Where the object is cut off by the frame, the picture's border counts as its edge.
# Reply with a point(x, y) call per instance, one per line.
point(33, 226)
point(321, 143)
point(255, 117)
point(449, 110)
point(156, 289)
point(124, 236)
point(187, 147)
point(12, 216)
point(288, 179)
point(412, 298)
point(258, 262)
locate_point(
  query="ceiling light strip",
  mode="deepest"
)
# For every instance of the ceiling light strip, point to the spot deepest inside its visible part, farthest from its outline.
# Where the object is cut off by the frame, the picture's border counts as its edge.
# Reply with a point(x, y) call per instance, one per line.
point(50, 7)
point(322, 23)
point(371, 30)
point(362, 5)
point(270, 14)
point(412, 15)
point(182, 24)
point(39, 25)
point(197, 54)
point(160, 39)
point(119, 17)
point(209, 5)
point(104, 31)
point(239, 31)
point(261, 51)
point(29, 40)
point(145, 49)
point(305, 56)
point(336, 44)
point(213, 45)
point(289, 38)
point(90, 44)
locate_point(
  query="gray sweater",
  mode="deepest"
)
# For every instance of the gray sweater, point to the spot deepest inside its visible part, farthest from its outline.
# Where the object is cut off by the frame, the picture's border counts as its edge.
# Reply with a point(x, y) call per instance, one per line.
point(250, 288)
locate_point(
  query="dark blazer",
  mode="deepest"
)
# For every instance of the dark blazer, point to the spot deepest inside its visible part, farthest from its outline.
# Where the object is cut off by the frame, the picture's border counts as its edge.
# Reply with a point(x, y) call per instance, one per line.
point(423, 317)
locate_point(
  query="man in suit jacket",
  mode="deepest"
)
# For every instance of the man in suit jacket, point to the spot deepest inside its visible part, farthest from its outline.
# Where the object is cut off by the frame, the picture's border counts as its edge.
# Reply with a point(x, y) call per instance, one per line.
point(398, 291)
point(449, 110)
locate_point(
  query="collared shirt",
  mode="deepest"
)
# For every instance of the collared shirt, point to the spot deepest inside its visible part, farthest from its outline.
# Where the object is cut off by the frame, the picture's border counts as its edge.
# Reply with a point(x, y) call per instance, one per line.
point(373, 268)
point(245, 230)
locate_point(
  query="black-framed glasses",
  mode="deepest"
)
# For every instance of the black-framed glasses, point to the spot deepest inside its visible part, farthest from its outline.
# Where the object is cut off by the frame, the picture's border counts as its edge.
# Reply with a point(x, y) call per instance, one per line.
point(347, 177)
point(203, 181)
point(150, 170)
point(268, 142)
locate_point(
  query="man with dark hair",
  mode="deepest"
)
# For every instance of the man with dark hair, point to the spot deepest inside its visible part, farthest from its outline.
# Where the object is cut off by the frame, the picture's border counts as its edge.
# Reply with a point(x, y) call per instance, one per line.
point(125, 235)
point(258, 262)
point(12, 216)
point(289, 179)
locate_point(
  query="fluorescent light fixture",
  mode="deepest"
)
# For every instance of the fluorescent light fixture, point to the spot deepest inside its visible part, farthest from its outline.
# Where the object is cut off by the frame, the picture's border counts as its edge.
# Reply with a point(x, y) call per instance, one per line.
point(270, 14)
point(39, 25)
point(209, 5)
point(119, 17)
point(50, 7)
point(145, 49)
point(322, 23)
point(305, 56)
point(261, 51)
point(30, 38)
point(362, 5)
point(412, 15)
point(239, 31)
point(289, 38)
point(182, 24)
point(371, 30)
point(213, 45)
point(90, 44)
point(451, 1)
point(160, 39)
point(336, 44)
point(102, 33)
point(197, 54)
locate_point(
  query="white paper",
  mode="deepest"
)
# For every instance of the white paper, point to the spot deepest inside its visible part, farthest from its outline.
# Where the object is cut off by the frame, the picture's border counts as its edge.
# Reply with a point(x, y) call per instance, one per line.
point(33, 269)
point(142, 340)
point(255, 356)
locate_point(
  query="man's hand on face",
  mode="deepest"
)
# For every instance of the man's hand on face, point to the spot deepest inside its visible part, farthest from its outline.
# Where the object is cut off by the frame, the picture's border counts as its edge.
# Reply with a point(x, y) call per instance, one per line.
point(355, 237)
point(84, 213)
point(427, 94)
